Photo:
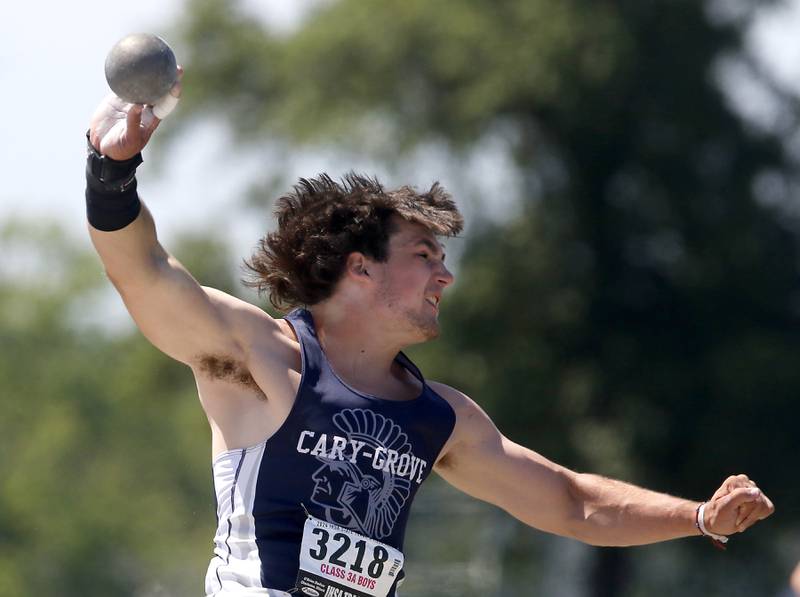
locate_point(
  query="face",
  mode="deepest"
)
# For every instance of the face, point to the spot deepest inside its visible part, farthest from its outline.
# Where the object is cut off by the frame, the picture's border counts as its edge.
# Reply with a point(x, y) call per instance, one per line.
point(409, 285)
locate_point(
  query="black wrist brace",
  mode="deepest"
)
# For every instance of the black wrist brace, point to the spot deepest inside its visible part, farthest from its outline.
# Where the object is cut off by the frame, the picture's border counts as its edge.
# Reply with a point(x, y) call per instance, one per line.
point(111, 198)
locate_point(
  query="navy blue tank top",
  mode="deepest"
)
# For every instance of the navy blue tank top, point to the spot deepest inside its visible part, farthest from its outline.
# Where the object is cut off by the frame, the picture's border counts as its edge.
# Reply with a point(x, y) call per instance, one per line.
point(348, 458)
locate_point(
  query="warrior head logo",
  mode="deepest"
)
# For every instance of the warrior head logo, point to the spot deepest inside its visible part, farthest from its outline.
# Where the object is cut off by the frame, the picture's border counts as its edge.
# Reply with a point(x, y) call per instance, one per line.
point(355, 495)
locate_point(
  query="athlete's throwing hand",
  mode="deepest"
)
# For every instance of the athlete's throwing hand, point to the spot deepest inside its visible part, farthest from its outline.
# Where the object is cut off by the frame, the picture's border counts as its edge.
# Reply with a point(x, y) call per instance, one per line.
point(120, 130)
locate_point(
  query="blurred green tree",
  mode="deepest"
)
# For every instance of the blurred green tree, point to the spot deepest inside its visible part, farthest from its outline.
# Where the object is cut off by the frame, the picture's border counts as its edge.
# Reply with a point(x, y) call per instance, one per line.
point(104, 451)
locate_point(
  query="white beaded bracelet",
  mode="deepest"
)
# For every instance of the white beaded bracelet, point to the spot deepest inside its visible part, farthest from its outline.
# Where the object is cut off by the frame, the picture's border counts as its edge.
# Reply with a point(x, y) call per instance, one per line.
point(699, 521)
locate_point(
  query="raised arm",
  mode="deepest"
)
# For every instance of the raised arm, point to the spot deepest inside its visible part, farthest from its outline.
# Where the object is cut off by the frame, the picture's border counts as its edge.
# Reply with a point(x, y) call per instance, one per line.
point(175, 313)
point(480, 461)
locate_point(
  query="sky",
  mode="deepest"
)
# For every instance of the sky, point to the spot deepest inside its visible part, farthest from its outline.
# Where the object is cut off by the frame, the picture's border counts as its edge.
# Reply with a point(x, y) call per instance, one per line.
point(51, 73)
point(52, 77)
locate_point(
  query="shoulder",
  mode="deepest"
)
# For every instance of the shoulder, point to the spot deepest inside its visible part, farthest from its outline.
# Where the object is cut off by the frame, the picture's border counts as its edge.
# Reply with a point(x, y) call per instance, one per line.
point(234, 307)
point(255, 332)
point(467, 410)
point(461, 404)
point(472, 426)
point(248, 320)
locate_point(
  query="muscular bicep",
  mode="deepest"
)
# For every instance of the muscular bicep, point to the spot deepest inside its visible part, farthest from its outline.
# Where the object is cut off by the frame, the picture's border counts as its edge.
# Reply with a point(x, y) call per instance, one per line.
point(483, 463)
point(174, 312)
point(180, 317)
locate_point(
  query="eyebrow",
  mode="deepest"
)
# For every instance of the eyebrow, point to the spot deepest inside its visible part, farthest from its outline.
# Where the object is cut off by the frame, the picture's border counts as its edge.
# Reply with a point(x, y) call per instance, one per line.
point(435, 247)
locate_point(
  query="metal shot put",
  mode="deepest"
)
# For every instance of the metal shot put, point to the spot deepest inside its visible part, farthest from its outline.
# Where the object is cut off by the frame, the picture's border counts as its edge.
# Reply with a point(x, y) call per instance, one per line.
point(141, 68)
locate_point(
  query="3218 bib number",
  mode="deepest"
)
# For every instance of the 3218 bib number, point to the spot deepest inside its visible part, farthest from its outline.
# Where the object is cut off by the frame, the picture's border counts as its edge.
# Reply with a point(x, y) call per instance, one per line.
point(336, 562)
point(379, 553)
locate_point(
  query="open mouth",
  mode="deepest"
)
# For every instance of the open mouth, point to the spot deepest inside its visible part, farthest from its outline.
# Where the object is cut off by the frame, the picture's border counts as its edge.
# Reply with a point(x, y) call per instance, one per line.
point(433, 300)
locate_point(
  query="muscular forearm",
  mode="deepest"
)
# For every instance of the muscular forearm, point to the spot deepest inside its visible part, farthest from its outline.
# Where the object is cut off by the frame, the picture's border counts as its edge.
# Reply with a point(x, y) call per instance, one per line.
point(133, 254)
point(481, 462)
point(615, 513)
point(121, 227)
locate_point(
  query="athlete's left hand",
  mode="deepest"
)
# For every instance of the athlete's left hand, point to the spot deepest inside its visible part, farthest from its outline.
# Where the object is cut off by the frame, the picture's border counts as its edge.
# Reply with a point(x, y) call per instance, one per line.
point(736, 506)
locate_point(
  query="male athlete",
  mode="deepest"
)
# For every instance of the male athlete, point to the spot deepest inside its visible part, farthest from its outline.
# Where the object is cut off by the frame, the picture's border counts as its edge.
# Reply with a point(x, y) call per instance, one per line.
point(322, 429)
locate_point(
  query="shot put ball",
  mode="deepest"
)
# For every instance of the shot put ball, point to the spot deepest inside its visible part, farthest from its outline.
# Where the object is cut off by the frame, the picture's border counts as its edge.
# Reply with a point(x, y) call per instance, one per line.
point(141, 68)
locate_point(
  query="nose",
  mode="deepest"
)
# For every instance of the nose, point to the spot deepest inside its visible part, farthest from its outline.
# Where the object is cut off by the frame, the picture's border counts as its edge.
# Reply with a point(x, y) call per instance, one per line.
point(445, 276)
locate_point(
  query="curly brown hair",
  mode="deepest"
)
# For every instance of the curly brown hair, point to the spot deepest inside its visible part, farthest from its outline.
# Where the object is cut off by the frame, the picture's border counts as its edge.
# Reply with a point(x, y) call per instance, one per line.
point(320, 222)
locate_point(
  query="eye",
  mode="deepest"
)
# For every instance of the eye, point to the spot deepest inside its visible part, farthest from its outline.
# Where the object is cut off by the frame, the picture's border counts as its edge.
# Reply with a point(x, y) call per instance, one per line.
point(423, 255)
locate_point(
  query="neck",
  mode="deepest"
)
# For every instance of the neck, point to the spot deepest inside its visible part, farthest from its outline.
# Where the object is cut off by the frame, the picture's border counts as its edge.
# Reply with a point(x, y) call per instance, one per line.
point(359, 348)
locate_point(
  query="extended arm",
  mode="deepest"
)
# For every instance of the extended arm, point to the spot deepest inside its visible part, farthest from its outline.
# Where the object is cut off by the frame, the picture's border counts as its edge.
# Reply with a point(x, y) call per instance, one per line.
point(172, 310)
point(175, 313)
point(593, 509)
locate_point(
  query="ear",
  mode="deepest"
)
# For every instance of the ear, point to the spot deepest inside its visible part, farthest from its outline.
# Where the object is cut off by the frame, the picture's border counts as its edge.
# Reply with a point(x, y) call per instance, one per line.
point(357, 266)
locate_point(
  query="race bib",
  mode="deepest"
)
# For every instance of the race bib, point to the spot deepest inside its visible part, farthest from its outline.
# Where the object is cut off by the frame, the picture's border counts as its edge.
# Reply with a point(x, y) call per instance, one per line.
point(336, 562)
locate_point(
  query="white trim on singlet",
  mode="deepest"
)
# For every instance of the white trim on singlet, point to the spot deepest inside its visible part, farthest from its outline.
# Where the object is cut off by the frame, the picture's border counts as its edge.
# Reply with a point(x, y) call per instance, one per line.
point(235, 568)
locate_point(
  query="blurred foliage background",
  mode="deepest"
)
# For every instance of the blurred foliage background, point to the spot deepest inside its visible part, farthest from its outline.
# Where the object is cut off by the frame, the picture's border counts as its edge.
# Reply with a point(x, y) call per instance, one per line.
point(627, 303)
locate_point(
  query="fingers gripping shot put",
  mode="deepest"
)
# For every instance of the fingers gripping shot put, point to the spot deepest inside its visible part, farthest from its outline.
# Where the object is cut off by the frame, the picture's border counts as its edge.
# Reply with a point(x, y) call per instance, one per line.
point(322, 429)
point(141, 69)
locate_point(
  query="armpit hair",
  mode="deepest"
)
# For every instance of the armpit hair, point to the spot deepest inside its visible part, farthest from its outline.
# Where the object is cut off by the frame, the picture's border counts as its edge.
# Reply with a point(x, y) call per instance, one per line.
point(227, 369)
